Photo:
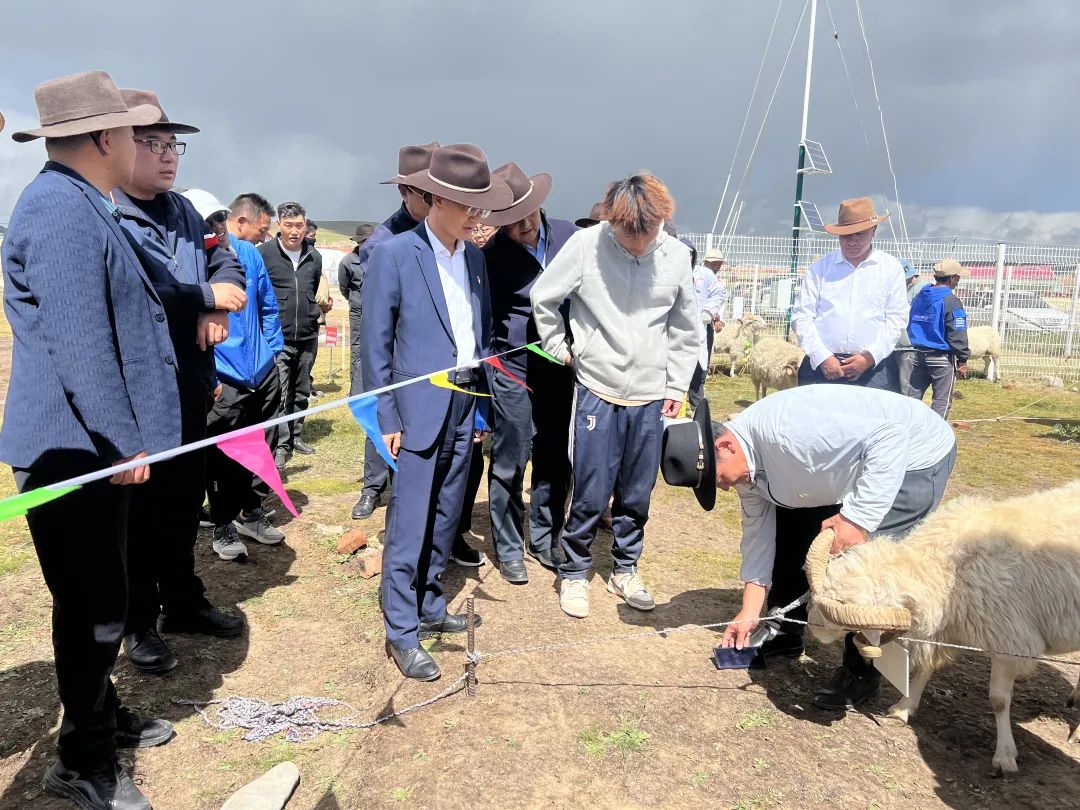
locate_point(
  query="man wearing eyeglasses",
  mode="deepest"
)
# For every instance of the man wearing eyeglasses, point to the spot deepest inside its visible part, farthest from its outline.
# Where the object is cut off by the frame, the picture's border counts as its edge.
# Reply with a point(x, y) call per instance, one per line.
point(427, 308)
point(200, 283)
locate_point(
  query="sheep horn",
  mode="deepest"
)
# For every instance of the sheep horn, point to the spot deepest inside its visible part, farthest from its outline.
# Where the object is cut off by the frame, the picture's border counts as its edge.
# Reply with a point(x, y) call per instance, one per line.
point(855, 617)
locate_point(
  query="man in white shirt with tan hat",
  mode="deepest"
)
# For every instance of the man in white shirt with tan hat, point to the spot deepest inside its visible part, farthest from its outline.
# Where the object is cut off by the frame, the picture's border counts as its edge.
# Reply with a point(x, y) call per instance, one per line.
point(852, 306)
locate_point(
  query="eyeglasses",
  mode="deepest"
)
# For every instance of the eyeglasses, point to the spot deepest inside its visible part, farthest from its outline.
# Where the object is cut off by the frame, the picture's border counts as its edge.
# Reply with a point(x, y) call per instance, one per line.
point(482, 213)
point(161, 147)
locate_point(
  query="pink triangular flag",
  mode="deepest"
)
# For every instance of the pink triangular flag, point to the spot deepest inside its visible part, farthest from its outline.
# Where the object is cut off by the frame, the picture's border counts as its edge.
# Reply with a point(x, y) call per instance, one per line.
point(250, 450)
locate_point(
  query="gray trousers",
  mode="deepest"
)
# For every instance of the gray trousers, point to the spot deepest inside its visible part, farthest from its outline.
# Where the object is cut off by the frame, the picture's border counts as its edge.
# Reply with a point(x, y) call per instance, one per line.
point(905, 360)
point(376, 473)
point(294, 371)
point(933, 369)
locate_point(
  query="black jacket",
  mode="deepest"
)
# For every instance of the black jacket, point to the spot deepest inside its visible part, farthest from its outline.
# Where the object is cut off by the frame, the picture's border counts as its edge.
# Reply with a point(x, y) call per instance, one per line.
point(295, 290)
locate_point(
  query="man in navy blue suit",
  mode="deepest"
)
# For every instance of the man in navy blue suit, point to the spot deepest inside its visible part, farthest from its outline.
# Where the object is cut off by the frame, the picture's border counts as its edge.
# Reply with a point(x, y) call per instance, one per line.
point(427, 308)
point(93, 384)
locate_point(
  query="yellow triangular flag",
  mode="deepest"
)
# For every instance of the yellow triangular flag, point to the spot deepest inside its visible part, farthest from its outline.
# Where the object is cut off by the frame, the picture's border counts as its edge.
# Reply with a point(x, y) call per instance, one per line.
point(442, 380)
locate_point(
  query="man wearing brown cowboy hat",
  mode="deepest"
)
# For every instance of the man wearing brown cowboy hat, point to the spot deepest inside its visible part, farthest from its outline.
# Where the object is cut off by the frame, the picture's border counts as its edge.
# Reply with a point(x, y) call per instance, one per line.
point(199, 282)
point(852, 306)
point(93, 384)
point(414, 207)
point(427, 308)
point(527, 423)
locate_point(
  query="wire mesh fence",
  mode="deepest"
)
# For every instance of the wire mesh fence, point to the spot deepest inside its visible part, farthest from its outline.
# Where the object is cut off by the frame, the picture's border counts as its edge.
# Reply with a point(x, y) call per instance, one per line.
point(1032, 299)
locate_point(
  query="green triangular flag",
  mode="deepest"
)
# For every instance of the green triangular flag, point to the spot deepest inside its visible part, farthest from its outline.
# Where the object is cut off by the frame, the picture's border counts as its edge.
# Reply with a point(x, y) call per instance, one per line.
point(532, 347)
point(18, 505)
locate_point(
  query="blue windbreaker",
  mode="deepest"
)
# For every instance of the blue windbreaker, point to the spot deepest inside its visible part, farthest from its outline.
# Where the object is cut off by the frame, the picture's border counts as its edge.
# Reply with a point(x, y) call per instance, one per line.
point(247, 356)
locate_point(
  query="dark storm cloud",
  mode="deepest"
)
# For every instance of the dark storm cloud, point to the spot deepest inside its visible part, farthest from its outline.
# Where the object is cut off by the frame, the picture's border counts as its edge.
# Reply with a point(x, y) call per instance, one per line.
point(310, 101)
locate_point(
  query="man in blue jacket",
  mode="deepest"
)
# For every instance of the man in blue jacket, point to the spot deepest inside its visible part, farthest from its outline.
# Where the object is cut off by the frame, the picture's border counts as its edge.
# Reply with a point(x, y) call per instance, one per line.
point(250, 389)
point(409, 332)
point(938, 334)
point(93, 384)
point(535, 423)
point(199, 285)
point(414, 208)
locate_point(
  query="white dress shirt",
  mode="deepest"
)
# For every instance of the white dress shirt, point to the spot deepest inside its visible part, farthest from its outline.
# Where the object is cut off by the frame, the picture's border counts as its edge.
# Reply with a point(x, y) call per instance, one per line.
point(819, 445)
point(842, 309)
point(454, 276)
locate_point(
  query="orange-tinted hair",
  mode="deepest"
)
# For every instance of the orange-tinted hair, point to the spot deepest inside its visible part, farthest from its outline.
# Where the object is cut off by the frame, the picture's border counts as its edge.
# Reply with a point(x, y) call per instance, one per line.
point(639, 203)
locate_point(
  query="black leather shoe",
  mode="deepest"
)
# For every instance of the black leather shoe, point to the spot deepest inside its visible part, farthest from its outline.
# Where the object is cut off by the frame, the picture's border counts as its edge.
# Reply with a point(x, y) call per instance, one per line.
point(546, 558)
point(465, 555)
point(846, 690)
point(415, 663)
point(451, 623)
point(302, 447)
point(281, 458)
point(135, 731)
point(104, 787)
point(208, 621)
point(785, 645)
point(514, 571)
point(148, 653)
point(365, 507)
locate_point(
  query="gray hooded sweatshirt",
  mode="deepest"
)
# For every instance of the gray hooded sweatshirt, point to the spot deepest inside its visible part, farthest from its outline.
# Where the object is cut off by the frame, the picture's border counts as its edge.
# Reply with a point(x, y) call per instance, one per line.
point(633, 318)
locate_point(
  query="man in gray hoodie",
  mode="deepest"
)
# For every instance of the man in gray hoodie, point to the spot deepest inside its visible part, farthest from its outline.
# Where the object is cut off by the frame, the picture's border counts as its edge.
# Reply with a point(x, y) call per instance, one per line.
point(633, 346)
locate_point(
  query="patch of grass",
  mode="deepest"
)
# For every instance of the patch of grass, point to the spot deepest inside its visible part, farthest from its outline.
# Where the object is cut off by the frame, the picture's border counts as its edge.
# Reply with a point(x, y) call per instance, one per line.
point(12, 558)
point(887, 780)
point(758, 718)
point(512, 743)
point(450, 725)
point(328, 486)
point(403, 794)
point(761, 764)
point(275, 755)
point(759, 801)
point(421, 756)
point(1066, 433)
point(627, 737)
point(699, 566)
point(701, 778)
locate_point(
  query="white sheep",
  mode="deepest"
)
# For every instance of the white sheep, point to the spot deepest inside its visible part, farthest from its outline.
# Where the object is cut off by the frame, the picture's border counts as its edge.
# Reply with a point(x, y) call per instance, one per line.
point(985, 342)
point(1003, 576)
point(732, 339)
point(773, 363)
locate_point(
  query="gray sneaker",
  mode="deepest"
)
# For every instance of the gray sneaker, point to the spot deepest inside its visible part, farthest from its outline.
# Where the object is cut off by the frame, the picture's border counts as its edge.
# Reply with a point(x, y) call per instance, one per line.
point(226, 544)
point(630, 587)
point(257, 526)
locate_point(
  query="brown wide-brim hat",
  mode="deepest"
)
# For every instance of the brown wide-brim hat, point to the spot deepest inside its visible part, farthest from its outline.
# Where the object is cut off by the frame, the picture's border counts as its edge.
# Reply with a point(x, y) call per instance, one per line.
point(363, 232)
point(1, 122)
point(411, 159)
point(460, 172)
point(529, 194)
point(597, 214)
point(856, 215)
point(82, 103)
point(136, 97)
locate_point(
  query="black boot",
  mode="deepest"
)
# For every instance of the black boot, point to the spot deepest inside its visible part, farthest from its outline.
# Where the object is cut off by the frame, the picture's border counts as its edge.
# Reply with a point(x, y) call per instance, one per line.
point(135, 731)
point(208, 622)
point(846, 690)
point(103, 787)
point(148, 653)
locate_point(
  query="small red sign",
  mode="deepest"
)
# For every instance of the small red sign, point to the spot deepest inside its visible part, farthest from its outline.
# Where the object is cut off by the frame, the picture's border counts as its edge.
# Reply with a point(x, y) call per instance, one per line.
point(331, 336)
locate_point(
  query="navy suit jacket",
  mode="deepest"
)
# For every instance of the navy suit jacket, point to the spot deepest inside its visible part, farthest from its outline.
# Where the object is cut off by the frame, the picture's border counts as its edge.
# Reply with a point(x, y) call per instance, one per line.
point(406, 333)
point(93, 371)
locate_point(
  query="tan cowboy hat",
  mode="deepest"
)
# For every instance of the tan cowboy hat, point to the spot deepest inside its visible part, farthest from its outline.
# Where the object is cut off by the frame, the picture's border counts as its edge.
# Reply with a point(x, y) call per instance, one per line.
point(82, 103)
point(460, 172)
point(713, 255)
point(947, 268)
point(411, 159)
point(134, 98)
point(597, 214)
point(855, 216)
point(529, 194)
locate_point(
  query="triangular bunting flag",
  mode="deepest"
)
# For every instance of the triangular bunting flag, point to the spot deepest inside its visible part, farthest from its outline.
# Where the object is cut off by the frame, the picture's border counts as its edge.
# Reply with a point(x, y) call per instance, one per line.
point(250, 450)
point(495, 362)
point(366, 412)
point(532, 347)
point(19, 505)
point(442, 380)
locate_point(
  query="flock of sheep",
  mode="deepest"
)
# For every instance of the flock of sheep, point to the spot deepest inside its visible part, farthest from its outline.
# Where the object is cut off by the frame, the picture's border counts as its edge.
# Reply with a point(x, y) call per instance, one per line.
point(774, 363)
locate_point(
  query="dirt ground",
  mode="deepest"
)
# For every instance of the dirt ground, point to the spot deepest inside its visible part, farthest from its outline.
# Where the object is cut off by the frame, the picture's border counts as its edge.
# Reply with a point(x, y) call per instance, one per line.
point(640, 723)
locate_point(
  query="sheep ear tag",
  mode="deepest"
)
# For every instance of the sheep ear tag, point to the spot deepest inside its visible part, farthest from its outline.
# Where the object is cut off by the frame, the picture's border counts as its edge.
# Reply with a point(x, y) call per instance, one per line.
point(892, 663)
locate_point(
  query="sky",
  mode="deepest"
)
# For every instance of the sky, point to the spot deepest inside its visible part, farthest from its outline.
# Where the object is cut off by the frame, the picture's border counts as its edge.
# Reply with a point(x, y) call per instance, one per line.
point(310, 101)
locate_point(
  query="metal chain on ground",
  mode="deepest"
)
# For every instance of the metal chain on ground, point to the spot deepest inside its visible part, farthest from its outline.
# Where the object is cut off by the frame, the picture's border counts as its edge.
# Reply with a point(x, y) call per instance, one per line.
point(297, 717)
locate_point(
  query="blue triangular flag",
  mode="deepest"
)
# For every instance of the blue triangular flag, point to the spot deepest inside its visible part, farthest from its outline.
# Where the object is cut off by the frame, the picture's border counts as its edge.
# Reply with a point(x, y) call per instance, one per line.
point(479, 422)
point(366, 412)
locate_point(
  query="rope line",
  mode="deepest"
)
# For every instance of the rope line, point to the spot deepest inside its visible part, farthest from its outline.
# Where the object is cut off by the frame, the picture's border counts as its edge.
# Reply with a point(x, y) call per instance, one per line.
point(746, 117)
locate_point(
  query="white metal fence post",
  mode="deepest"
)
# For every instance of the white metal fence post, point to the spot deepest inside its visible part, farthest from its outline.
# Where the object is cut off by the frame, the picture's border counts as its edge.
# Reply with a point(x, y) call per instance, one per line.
point(995, 316)
point(1072, 312)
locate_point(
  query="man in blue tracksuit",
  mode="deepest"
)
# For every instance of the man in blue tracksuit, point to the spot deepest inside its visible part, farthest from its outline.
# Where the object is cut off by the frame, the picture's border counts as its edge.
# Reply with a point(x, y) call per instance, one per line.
point(938, 333)
point(250, 387)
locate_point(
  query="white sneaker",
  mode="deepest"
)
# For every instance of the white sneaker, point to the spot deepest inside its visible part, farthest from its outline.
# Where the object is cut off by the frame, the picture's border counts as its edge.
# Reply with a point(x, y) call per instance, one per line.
point(257, 526)
point(630, 587)
point(226, 544)
point(574, 597)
